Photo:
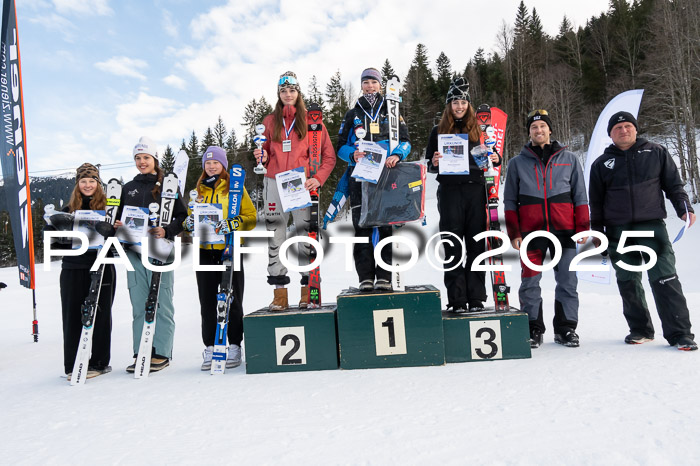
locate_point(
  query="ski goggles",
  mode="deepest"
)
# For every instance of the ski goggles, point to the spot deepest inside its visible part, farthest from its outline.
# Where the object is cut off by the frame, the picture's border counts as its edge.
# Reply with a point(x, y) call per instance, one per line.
point(536, 112)
point(287, 81)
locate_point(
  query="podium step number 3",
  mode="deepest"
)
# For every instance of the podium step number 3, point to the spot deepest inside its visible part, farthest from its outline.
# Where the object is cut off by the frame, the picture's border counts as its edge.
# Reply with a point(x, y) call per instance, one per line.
point(485, 337)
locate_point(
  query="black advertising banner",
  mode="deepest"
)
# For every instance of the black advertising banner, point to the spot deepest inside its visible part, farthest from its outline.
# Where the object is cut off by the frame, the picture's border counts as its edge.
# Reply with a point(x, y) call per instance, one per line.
point(13, 152)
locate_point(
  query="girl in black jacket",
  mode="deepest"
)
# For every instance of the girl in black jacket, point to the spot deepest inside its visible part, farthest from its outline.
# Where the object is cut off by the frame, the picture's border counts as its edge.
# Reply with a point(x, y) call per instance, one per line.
point(461, 202)
point(75, 283)
point(142, 191)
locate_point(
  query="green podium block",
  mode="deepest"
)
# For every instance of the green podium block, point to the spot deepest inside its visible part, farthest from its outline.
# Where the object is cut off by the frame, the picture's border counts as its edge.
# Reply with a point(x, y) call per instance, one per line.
point(486, 336)
point(291, 340)
point(390, 329)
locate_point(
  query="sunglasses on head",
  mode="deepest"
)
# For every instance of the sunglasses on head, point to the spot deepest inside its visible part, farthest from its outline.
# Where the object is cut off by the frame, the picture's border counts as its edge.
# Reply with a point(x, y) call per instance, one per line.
point(287, 80)
point(535, 112)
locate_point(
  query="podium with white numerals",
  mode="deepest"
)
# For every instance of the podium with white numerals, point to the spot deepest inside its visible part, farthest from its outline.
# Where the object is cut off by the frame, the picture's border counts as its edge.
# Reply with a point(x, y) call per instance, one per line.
point(486, 336)
point(290, 340)
point(390, 329)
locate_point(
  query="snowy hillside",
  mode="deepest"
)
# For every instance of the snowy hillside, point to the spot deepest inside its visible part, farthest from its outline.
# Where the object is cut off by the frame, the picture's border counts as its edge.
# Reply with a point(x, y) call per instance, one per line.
point(602, 403)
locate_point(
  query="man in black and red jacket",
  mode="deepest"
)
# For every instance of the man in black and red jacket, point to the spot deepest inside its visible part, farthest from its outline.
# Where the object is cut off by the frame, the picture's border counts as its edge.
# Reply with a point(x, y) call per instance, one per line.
point(545, 191)
point(626, 193)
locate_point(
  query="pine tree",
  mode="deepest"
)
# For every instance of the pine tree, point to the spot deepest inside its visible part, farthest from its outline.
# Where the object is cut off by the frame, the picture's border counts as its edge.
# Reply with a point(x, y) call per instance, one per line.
point(264, 109)
point(220, 133)
point(168, 159)
point(419, 105)
point(522, 21)
point(443, 76)
point(565, 27)
point(195, 166)
point(387, 71)
point(337, 104)
point(536, 30)
point(208, 140)
point(253, 114)
point(314, 95)
point(232, 146)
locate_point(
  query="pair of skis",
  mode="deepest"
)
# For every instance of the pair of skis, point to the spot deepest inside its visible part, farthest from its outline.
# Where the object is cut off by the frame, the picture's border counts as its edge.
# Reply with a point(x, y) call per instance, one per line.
point(314, 119)
point(493, 127)
point(392, 104)
point(225, 296)
point(90, 306)
point(161, 217)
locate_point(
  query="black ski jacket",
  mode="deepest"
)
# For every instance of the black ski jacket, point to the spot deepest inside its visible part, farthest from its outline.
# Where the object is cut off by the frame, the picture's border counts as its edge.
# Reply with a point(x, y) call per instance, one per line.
point(476, 174)
point(86, 259)
point(137, 193)
point(626, 186)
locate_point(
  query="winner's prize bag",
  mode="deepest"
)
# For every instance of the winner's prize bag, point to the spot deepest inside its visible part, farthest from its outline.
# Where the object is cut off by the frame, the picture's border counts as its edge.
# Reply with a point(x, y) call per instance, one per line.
point(398, 197)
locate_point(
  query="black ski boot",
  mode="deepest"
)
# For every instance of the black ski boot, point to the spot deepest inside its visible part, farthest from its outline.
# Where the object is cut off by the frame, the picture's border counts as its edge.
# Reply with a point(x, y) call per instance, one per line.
point(536, 338)
point(567, 338)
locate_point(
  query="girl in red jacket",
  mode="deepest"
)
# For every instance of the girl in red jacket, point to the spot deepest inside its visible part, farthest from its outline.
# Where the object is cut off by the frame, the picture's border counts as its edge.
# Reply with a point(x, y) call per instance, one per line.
point(287, 148)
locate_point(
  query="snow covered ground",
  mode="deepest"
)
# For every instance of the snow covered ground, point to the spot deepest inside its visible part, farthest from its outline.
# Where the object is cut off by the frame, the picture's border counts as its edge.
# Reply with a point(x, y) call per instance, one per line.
point(602, 403)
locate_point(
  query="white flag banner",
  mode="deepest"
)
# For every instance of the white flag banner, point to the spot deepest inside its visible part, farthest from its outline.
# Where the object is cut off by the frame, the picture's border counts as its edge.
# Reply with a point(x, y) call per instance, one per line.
point(628, 101)
point(182, 161)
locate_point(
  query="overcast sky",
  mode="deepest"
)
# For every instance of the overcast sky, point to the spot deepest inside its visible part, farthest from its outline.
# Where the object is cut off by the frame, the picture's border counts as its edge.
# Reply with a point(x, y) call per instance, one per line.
point(98, 74)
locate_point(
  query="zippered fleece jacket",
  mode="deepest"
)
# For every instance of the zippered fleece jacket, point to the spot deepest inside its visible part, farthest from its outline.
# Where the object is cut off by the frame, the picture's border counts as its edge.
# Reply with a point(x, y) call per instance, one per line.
point(626, 186)
point(549, 197)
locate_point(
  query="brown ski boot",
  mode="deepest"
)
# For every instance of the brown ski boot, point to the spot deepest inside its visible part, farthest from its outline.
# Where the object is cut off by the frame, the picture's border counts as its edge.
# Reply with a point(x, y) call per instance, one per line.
point(279, 303)
point(304, 301)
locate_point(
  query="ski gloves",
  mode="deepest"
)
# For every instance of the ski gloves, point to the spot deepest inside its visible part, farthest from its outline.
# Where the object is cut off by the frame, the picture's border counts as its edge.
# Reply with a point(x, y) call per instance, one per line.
point(222, 227)
point(188, 224)
point(228, 225)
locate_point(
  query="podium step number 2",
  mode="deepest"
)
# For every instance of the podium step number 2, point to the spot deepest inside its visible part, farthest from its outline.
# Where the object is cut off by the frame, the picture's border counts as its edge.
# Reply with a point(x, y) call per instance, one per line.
point(291, 341)
point(291, 346)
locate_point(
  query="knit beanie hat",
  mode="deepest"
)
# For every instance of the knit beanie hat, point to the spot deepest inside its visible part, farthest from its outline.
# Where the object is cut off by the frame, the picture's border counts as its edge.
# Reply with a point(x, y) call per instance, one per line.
point(87, 170)
point(146, 146)
point(288, 79)
point(215, 153)
point(621, 117)
point(371, 73)
point(459, 90)
point(538, 115)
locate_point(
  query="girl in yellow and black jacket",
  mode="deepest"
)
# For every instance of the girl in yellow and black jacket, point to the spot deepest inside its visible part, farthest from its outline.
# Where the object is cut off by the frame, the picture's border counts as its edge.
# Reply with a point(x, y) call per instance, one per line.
point(212, 188)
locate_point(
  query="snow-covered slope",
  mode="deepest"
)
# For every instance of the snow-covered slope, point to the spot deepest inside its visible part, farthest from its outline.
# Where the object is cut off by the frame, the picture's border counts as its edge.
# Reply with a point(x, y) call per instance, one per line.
point(602, 403)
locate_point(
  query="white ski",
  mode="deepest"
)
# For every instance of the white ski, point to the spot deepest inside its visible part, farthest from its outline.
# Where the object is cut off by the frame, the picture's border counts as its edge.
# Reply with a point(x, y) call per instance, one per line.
point(392, 104)
point(143, 360)
point(90, 307)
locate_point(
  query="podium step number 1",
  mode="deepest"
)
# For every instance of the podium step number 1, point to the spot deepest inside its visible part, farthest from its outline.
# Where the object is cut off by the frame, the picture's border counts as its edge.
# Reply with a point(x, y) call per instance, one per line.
point(389, 332)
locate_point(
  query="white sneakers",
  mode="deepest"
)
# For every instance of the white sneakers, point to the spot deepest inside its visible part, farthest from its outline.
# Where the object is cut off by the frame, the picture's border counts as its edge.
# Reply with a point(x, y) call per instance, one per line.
point(234, 357)
point(233, 360)
point(206, 355)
